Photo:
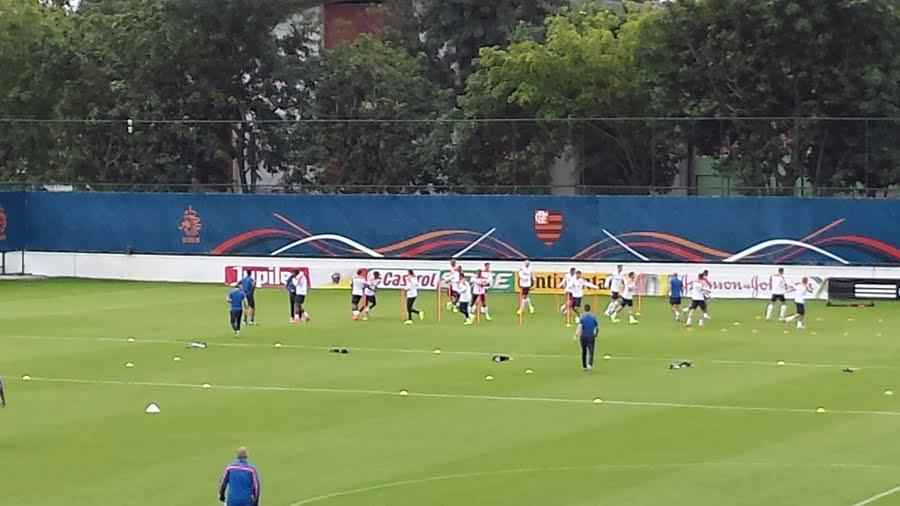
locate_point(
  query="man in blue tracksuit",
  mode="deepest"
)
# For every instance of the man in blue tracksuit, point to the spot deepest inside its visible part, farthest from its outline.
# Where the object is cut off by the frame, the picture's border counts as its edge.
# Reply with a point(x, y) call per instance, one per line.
point(248, 285)
point(235, 300)
point(240, 482)
point(587, 331)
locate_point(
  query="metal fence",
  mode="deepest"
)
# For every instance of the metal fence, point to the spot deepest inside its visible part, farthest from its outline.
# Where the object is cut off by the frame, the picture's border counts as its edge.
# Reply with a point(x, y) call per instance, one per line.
point(711, 156)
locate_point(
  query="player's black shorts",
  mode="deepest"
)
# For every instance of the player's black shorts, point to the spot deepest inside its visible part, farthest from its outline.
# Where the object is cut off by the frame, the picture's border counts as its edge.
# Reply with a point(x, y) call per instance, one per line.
point(299, 299)
point(698, 303)
point(777, 298)
point(371, 300)
point(627, 302)
point(525, 291)
point(576, 301)
point(251, 301)
point(614, 295)
point(479, 297)
point(801, 308)
point(354, 299)
point(674, 301)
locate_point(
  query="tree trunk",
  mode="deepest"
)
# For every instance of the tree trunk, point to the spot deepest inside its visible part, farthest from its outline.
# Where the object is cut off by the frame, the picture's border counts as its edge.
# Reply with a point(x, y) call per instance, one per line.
point(564, 171)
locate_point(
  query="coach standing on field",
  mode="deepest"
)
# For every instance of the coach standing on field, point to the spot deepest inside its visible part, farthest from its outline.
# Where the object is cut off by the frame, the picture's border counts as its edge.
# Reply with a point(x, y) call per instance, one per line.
point(240, 482)
point(587, 331)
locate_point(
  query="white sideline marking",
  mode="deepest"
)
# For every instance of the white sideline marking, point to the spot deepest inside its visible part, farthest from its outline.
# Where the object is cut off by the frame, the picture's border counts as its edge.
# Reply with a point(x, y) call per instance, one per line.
point(141, 340)
point(598, 467)
point(877, 497)
point(649, 404)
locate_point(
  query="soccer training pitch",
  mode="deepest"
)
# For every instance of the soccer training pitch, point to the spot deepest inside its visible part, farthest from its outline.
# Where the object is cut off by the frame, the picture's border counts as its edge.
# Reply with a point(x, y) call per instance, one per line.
point(329, 429)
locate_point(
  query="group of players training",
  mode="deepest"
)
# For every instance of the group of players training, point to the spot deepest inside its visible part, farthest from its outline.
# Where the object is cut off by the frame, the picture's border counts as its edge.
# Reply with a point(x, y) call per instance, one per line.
point(467, 295)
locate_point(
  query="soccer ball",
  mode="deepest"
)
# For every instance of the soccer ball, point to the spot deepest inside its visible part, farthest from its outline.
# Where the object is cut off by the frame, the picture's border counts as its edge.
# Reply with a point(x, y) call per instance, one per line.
point(336, 278)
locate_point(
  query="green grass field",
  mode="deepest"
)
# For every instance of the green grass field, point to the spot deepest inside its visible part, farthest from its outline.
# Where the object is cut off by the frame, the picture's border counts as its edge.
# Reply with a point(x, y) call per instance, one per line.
point(327, 429)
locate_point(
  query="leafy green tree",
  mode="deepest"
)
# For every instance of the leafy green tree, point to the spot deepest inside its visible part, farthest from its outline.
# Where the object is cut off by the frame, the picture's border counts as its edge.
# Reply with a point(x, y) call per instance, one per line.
point(35, 61)
point(364, 98)
point(587, 67)
point(801, 58)
point(452, 32)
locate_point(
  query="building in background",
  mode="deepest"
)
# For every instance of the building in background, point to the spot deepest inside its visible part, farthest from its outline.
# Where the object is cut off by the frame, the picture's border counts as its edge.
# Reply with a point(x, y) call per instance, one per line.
point(343, 21)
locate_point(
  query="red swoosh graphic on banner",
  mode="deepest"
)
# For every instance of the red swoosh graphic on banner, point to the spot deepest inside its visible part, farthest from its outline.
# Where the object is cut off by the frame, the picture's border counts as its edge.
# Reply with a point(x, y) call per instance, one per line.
point(874, 244)
point(680, 241)
point(253, 235)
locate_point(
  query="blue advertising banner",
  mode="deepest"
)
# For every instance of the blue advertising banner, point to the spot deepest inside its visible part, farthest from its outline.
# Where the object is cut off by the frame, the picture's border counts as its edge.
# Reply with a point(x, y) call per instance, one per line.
point(13, 219)
point(691, 229)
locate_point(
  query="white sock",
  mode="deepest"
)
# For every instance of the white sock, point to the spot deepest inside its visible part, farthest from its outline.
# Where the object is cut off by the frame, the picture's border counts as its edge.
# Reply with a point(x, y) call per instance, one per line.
point(783, 311)
point(689, 318)
point(799, 324)
point(769, 311)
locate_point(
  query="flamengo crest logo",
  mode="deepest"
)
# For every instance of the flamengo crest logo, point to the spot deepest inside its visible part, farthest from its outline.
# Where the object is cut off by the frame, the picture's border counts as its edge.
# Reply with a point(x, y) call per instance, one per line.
point(190, 226)
point(548, 225)
point(2, 224)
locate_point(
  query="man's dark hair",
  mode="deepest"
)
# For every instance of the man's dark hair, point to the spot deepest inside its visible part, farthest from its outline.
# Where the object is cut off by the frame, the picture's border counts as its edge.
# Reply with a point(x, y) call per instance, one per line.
point(587, 307)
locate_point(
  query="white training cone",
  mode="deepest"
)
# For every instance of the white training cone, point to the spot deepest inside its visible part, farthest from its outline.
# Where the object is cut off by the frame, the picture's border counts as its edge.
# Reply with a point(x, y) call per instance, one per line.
point(488, 378)
point(278, 345)
point(598, 401)
point(404, 393)
point(437, 351)
point(176, 359)
point(152, 409)
point(206, 385)
point(888, 392)
point(607, 357)
point(529, 371)
point(820, 410)
point(780, 362)
point(130, 339)
point(26, 378)
point(129, 364)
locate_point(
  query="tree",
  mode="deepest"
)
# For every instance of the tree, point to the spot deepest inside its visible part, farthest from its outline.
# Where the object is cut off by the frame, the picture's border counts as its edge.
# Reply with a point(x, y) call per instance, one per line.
point(36, 61)
point(376, 118)
point(587, 67)
point(451, 32)
point(799, 58)
point(215, 68)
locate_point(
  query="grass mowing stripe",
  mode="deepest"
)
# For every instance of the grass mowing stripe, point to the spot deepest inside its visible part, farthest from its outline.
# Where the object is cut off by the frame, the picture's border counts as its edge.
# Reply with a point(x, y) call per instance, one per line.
point(141, 340)
point(398, 393)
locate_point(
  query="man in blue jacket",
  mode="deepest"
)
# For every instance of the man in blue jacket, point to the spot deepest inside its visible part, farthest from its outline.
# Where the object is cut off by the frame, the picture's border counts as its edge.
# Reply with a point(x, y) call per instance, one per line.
point(240, 482)
point(235, 300)
point(248, 286)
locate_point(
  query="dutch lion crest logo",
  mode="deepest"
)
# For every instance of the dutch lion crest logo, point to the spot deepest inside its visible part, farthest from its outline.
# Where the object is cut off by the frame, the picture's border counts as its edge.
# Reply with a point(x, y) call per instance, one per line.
point(190, 226)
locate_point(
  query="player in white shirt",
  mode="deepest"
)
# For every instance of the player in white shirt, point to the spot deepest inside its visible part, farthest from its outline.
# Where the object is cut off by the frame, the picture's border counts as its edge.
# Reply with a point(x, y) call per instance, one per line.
point(411, 284)
point(700, 292)
point(800, 291)
point(615, 283)
point(357, 289)
point(567, 282)
point(480, 284)
point(489, 280)
point(370, 291)
point(465, 298)
point(301, 288)
point(779, 288)
point(578, 284)
point(452, 278)
point(629, 289)
point(526, 281)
